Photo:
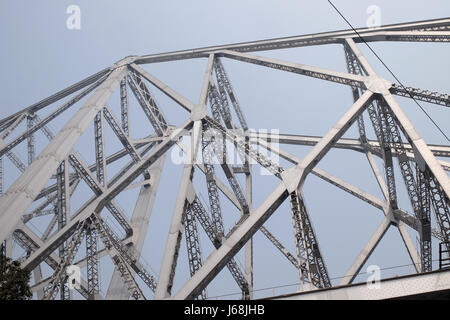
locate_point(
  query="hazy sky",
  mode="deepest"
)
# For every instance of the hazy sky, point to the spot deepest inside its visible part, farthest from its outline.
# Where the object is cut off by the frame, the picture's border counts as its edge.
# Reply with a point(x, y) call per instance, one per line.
point(40, 56)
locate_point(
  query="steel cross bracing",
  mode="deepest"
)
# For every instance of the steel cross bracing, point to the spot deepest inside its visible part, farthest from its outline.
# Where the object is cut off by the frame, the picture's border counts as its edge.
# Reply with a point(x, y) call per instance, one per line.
point(51, 174)
point(308, 253)
point(192, 242)
point(202, 216)
point(388, 134)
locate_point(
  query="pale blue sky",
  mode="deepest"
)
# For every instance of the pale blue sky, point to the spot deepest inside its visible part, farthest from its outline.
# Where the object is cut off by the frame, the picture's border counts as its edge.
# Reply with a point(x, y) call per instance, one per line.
point(40, 56)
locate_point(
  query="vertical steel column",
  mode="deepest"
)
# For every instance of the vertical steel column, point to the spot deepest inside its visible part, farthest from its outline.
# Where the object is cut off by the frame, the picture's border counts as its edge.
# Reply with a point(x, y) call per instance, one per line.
point(62, 206)
point(92, 261)
point(424, 218)
point(309, 256)
point(124, 106)
point(249, 244)
point(100, 149)
point(30, 140)
point(213, 194)
point(192, 243)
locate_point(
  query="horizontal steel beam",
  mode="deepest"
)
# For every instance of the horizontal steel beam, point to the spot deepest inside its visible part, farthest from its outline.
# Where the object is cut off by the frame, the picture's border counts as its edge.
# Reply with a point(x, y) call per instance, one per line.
point(309, 71)
point(289, 42)
point(343, 143)
point(57, 96)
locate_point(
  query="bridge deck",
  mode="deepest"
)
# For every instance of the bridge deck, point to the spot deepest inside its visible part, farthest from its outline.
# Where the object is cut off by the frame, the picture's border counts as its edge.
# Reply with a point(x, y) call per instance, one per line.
point(435, 285)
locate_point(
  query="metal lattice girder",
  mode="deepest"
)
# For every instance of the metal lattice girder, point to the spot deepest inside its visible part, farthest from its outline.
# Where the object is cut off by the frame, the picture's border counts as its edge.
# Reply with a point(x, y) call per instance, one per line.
point(315, 72)
point(100, 149)
point(233, 243)
point(30, 245)
point(418, 193)
point(213, 194)
point(386, 140)
point(30, 140)
point(355, 80)
point(421, 150)
point(148, 103)
point(121, 135)
point(243, 231)
point(130, 256)
point(63, 211)
point(41, 124)
point(92, 261)
point(425, 221)
point(182, 101)
point(124, 106)
point(98, 189)
point(296, 41)
point(441, 205)
point(422, 94)
point(237, 237)
point(343, 143)
point(121, 257)
point(15, 160)
point(57, 96)
point(217, 107)
point(388, 134)
point(169, 262)
point(13, 125)
point(63, 194)
point(219, 146)
point(92, 168)
point(96, 203)
point(222, 95)
point(192, 243)
point(226, 88)
point(292, 259)
point(308, 252)
point(50, 199)
point(410, 36)
point(207, 225)
point(357, 64)
point(20, 195)
point(117, 259)
point(60, 275)
point(245, 148)
point(399, 214)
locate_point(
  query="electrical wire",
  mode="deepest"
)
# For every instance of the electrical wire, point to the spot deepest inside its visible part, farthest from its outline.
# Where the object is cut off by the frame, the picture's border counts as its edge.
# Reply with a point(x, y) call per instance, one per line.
point(390, 71)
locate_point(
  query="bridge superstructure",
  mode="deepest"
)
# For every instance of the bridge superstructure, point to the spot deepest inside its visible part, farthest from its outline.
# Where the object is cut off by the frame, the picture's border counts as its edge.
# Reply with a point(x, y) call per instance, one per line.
point(214, 124)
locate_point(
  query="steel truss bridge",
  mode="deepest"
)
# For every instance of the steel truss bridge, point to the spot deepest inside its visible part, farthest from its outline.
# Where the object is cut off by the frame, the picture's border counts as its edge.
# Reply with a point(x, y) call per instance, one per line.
point(215, 122)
